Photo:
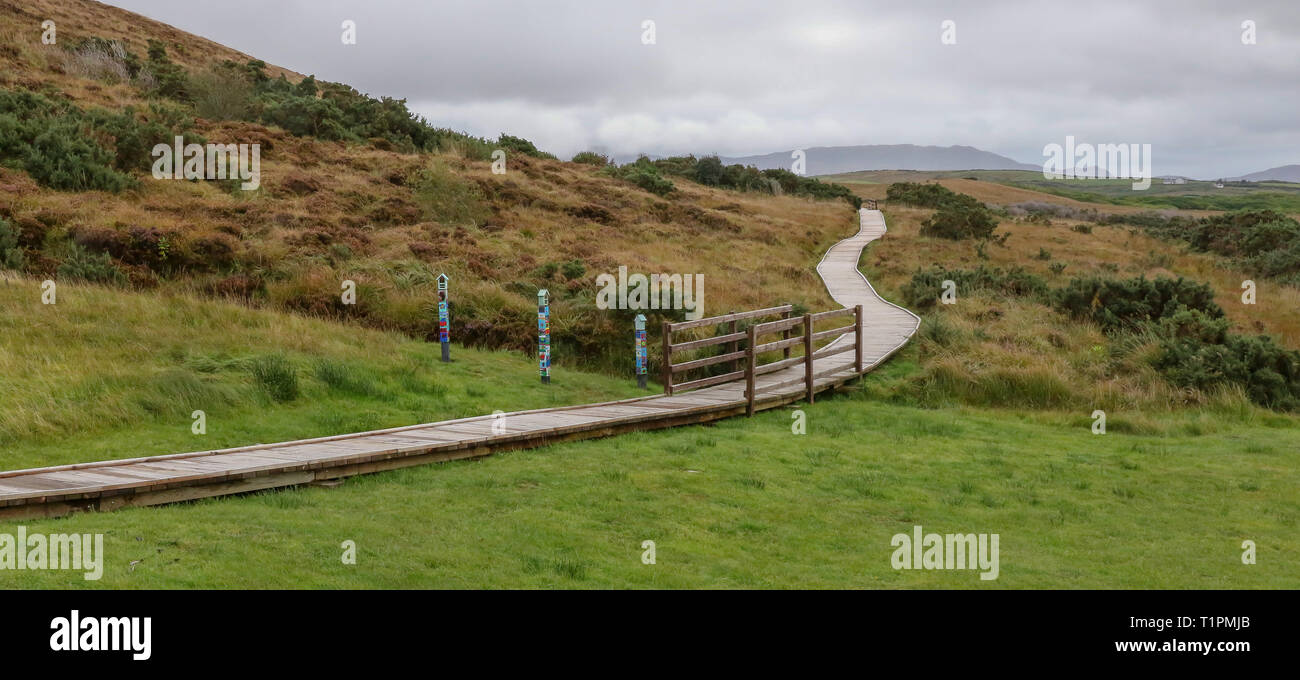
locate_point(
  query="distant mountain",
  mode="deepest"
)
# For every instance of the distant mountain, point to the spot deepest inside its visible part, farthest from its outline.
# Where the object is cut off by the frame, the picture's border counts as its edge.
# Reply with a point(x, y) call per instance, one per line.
point(827, 160)
point(1285, 173)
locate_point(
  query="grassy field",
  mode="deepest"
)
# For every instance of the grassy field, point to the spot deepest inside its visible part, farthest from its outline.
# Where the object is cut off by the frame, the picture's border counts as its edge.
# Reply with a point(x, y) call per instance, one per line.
point(1195, 195)
point(106, 374)
point(745, 503)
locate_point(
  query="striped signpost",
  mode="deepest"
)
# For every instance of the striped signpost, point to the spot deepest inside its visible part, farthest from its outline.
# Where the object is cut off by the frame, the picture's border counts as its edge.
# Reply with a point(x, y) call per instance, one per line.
point(640, 351)
point(444, 325)
point(544, 335)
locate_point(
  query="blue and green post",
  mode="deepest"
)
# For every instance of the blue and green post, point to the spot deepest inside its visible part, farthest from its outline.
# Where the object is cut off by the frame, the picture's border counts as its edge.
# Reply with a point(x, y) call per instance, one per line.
point(544, 335)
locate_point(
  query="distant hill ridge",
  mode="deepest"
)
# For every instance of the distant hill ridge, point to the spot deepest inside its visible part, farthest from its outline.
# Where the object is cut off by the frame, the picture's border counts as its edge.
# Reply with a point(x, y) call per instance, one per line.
point(1282, 173)
point(826, 160)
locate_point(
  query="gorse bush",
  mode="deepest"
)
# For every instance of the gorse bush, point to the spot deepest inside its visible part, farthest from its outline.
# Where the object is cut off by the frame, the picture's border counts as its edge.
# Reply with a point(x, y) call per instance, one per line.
point(645, 174)
point(591, 158)
point(958, 216)
point(84, 265)
point(926, 286)
point(921, 195)
point(520, 145)
point(63, 147)
point(1263, 242)
point(311, 108)
point(11, 256)
point(710, 171)
point(1270, 374)
point(1196, 349)
point(960, 222)
point(1125, 304)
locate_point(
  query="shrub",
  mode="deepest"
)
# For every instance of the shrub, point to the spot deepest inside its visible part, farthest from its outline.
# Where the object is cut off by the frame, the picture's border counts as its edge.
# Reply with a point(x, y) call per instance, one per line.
point(83, 265)
point(960, 222)
point(926, 285)
point(644, 174)
point(1126, 304)
point(573, 269)
point(276, 376)
point(1269, 374)
point(921, 195)
point(11, 256)
point(521, 145)
point(591, 158)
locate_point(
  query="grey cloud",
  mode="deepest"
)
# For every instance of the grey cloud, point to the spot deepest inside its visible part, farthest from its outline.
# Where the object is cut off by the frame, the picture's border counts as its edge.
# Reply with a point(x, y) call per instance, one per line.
point(739, 77)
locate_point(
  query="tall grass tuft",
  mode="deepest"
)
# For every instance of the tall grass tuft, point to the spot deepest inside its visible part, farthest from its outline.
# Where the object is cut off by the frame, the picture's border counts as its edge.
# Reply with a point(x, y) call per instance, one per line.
point(277, 376)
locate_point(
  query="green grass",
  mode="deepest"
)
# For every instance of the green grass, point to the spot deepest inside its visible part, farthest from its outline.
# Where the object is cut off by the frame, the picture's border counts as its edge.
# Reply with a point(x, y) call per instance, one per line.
point(745, 504)
point(106, 374)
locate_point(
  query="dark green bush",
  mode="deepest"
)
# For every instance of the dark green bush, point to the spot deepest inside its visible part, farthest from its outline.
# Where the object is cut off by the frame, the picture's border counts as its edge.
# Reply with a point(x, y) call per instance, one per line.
point(1126, 304)
point(523, 146)
point(960, 222)
point(926, 285)
point(11, 256)
point(84, 265)
point(921, 195)
point(591, 158)
point(1270, 374)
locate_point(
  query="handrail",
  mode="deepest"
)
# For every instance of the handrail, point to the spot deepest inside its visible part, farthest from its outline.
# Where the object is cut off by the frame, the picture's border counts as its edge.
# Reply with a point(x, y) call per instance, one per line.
point(809, 337)
point(732, 353)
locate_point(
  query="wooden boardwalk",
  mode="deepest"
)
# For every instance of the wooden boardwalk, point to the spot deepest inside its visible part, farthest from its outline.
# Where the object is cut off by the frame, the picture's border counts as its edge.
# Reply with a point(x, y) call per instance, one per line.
point(108, 485)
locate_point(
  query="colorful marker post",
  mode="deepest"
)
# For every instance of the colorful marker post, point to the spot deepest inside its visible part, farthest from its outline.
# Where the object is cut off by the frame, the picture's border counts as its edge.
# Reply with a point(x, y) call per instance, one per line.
point(544, 335)
point(444, 325)
point(640, 351)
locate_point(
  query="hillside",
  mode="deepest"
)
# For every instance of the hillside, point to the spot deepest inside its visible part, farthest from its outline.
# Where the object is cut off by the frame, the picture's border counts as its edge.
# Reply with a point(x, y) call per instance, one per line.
point(351, 189)
point(826, 160)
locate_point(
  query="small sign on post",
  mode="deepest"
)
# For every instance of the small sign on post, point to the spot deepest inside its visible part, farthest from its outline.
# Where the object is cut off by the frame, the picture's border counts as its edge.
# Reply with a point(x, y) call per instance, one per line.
point(444, 324)
point(544, 335)
point(640, 351)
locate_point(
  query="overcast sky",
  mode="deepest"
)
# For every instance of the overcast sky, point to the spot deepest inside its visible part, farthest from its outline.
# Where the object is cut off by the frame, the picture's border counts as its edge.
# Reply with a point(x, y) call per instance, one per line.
point(738, 77)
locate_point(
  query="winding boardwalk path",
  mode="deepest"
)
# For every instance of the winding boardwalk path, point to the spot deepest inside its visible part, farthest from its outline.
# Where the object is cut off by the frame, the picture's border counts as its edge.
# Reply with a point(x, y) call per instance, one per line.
point(108, 485)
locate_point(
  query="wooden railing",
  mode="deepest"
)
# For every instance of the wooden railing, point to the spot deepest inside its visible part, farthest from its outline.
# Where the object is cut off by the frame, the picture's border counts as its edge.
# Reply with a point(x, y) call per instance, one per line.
point(786, 325)
point(809, 338)
point(733, 353)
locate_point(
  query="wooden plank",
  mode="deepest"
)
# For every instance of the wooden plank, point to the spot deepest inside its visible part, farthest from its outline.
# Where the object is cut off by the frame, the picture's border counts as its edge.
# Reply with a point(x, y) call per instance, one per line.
point(777, 344)
point(735, 316)
point(707, 361)
point(705, 382)
point(706, 342)
point(832, 333)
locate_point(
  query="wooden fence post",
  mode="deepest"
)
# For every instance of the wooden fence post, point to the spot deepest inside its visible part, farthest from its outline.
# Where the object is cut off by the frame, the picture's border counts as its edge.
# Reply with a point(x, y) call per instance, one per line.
point(857, 351)
point(667, 369)
point(785, 334)
point(808, 355)
point(733, 346)
point(750, 361)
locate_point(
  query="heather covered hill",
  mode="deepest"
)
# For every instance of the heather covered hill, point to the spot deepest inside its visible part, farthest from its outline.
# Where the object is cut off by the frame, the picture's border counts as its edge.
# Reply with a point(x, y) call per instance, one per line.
point(356, 188)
